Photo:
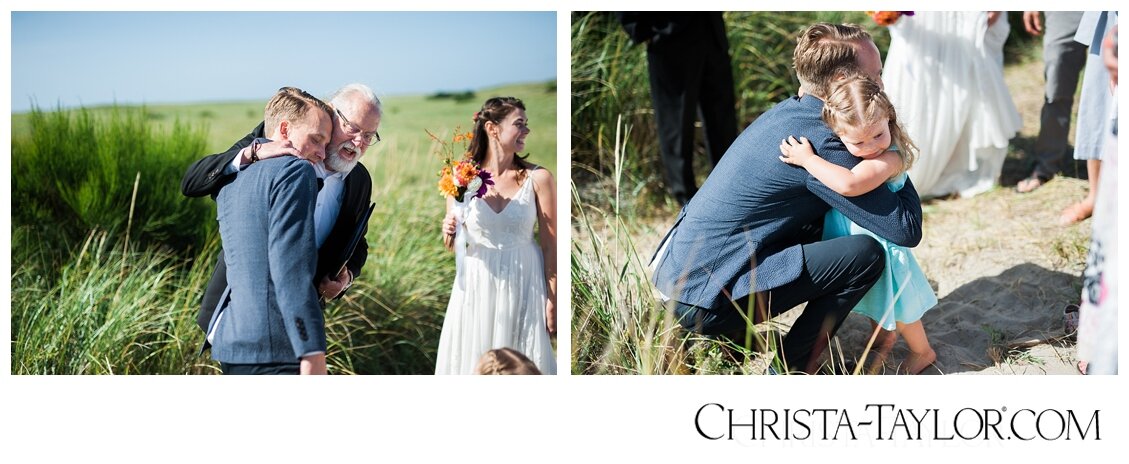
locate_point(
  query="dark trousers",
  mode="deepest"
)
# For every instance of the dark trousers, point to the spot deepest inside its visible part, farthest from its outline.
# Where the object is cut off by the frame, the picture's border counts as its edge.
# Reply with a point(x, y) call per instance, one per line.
point(837, 273)
point(260, 369)
point(689, 79)
point(1063, 62)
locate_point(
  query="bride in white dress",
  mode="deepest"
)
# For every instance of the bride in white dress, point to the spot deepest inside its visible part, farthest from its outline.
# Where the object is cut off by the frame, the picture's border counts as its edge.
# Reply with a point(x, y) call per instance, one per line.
point(504, 295)
point(944, 74)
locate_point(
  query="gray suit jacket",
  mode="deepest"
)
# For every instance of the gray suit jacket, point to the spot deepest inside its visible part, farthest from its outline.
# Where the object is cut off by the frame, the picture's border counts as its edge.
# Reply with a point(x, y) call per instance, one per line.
point(267, 225)
point(742, 231)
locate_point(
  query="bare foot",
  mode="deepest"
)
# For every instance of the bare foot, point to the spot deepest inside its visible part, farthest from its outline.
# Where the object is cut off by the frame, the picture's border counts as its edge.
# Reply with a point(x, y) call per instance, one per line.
point(917, 362)
point(883, 344)
point(1077, 212)
point(1031, 183)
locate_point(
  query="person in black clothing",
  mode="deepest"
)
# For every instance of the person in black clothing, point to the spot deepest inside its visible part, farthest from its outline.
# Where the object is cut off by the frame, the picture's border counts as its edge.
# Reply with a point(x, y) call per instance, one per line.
point(691, 75)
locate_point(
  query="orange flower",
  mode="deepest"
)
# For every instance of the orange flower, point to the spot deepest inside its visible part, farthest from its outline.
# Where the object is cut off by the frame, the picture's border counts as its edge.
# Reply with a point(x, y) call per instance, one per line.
point(446, 184)
point(465, 171)
point(885, 18)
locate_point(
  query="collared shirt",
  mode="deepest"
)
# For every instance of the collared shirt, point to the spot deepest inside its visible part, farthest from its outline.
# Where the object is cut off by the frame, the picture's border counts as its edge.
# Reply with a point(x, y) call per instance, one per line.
point(328, 205)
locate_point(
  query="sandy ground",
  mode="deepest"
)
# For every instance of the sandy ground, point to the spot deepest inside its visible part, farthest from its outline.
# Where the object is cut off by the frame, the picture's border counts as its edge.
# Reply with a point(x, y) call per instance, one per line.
point(1002, 266)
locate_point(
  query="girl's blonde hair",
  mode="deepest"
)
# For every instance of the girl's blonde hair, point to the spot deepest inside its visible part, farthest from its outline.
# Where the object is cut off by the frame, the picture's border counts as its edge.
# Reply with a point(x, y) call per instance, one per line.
point(859, 101)
point(506, 361)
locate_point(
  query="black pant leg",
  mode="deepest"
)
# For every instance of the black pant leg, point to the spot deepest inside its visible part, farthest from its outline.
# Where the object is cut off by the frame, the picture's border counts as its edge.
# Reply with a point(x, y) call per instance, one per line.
point(260, 369)
point(674, 75)
point(837, 274)
point(717, 102)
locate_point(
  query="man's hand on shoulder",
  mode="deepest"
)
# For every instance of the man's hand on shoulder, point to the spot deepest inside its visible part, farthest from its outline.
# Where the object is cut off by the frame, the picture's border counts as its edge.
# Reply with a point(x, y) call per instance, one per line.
point(268, 150)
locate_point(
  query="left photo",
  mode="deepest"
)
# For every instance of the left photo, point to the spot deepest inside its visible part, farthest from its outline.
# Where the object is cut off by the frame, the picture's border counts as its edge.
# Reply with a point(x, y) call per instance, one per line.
point(367, 193)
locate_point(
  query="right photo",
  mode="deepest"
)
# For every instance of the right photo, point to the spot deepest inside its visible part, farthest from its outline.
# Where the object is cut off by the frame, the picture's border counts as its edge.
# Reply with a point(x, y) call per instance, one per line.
point(844, 193)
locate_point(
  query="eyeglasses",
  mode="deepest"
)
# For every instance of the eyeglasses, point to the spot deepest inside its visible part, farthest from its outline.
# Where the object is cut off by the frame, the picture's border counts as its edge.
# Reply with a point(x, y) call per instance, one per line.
point(350, 129)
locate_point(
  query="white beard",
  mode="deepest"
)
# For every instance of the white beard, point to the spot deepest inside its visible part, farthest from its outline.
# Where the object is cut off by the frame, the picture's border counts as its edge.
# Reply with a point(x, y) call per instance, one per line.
point(336, 163)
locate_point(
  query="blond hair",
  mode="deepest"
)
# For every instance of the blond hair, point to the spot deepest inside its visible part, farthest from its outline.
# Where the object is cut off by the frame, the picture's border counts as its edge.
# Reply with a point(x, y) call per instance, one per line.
point(826, 51)
point(859, 101)
point(505, 361)
point(291, 104)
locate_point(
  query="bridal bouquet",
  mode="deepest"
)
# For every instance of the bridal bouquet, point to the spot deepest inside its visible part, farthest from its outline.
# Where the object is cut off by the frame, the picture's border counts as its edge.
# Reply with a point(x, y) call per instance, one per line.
point(463, 179)
point(887, 18)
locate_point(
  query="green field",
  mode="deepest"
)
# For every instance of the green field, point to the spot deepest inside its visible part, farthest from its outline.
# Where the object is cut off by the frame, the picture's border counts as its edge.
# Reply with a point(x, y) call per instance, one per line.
point(89, 298)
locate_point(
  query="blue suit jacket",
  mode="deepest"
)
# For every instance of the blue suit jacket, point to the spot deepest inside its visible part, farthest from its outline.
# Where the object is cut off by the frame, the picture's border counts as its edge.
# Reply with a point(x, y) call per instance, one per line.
point(266, 218)
point(741, 233)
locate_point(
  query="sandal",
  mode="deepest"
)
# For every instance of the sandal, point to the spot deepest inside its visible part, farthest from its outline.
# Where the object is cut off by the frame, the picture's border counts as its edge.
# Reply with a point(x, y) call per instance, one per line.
point(1031, 183)
point(1076, 213)
point(1070, 320)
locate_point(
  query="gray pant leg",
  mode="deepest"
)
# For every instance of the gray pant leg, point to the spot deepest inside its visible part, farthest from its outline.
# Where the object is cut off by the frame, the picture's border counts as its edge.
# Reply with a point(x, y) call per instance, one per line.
point(1064, 59)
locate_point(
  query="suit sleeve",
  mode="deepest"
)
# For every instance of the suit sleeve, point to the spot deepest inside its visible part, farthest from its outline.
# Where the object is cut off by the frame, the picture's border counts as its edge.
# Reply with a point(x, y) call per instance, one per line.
point(206, 175)
point(895, 216)
point(293, 257)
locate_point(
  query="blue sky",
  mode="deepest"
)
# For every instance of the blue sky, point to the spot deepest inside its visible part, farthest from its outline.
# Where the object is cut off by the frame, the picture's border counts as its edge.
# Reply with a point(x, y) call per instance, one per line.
point(93, 58)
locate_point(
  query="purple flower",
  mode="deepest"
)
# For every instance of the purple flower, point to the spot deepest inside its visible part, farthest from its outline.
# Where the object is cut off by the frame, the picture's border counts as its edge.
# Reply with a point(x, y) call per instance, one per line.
point(486, 180)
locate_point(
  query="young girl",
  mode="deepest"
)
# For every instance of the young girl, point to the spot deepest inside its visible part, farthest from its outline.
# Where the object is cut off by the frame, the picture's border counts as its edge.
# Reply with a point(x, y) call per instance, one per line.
point(859, 112)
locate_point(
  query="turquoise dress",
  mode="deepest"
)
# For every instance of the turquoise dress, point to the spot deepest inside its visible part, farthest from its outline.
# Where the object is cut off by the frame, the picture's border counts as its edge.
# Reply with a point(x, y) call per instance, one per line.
point(903, 293)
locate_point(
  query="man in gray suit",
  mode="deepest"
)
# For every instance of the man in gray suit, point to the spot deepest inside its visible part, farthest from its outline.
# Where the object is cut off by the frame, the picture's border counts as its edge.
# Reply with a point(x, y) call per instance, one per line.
point(746, 246)
point(273, 322)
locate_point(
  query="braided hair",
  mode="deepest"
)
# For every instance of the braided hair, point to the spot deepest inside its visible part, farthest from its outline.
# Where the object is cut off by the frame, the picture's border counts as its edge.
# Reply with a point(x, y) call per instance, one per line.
point(505, 361)
point(859, 101)
point(495, 110)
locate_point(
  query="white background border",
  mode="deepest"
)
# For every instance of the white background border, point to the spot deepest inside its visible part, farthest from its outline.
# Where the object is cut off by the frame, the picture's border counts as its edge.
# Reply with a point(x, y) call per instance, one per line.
point(495, 419)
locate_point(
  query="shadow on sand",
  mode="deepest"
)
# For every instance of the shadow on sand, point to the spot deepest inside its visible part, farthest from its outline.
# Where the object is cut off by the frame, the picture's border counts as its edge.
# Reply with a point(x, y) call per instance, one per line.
point(988, 321)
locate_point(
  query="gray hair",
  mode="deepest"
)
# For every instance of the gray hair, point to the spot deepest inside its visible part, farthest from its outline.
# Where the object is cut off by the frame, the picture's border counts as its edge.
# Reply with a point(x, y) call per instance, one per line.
point(340, 99)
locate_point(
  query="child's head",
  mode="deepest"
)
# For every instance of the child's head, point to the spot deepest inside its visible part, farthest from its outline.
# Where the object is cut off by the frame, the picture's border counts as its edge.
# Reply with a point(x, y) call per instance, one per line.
point(505, 361)
point(860, 113)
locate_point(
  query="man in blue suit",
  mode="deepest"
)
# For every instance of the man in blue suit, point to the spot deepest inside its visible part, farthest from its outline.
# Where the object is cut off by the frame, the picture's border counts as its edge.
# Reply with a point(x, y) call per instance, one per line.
point(753, 227)
point(273, 322)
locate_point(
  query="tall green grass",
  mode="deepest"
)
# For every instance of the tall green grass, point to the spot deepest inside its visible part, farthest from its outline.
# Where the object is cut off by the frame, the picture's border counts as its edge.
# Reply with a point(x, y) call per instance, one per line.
point(609, 80)
point(111, 309)
point(100, 291)
point(76, 172)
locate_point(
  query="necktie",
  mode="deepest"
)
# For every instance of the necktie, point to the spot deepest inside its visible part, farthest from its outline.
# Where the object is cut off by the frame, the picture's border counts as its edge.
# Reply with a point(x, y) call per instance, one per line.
point(321, 183)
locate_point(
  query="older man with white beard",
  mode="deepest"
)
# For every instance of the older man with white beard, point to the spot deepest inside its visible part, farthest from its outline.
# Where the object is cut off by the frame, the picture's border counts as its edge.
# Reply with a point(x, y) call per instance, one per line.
point(342, 200)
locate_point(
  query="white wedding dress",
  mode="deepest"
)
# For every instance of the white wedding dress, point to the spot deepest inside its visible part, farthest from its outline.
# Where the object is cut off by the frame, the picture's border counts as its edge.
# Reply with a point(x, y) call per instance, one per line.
point(944, 75)
point(501, 300)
